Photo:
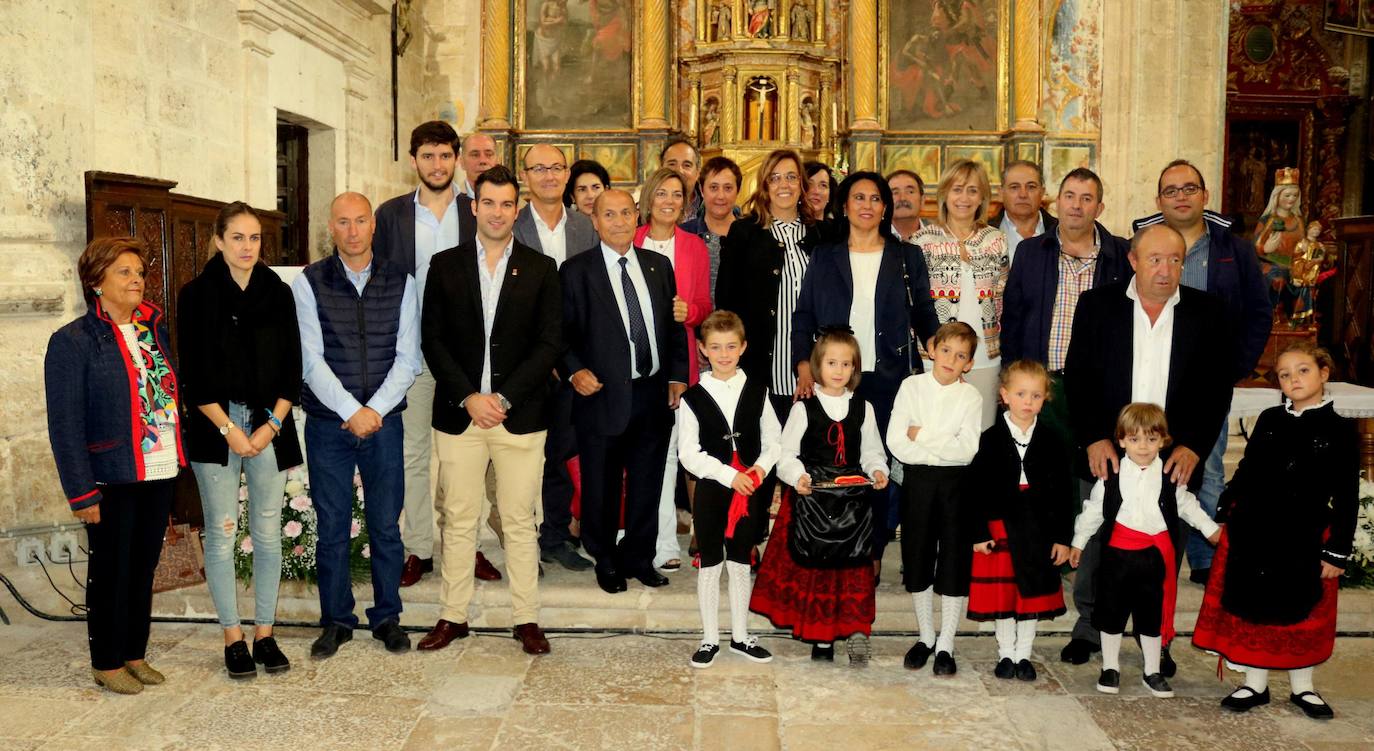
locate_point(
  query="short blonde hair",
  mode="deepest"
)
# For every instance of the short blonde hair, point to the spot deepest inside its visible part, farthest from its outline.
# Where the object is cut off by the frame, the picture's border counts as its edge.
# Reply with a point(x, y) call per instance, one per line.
point(1146, 417)
point(655, 181)
point(964, 170)
point(1030, 369)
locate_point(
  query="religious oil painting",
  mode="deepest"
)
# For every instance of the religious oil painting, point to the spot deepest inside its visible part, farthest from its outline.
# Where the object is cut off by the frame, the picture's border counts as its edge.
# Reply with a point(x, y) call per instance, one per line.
point(990, 157)
point(619, 159)
point(1061, 159)
point(923, 159)
point(578, 64)
point(943, 64)
point(1071, 100)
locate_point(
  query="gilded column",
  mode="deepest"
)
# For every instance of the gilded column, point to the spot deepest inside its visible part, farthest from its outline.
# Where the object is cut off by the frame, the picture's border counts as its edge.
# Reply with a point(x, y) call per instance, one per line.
point(826, 115)
point(791, 108)
point(729, 106)
point(496, 65)
point(654, 32)
point(694, 87)
point(863, 60)
point(1025, 40)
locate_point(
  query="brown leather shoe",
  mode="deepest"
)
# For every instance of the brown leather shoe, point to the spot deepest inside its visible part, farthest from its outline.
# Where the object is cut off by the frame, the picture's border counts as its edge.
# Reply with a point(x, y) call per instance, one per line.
point(414, 569)
point(532, 639)
point(485, 571)
point(442, 633)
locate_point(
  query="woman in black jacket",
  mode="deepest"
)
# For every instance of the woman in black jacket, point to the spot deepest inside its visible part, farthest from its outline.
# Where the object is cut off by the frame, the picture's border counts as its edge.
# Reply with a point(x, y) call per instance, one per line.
point(241, 369)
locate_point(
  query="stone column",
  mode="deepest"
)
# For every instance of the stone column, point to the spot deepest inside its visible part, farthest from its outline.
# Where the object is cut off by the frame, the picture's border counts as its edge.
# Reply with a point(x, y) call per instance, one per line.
point(653, 64)
point(863, 63)
point(259, 116)
point(1026, 57)
point(1163, 97)
point(496, 66)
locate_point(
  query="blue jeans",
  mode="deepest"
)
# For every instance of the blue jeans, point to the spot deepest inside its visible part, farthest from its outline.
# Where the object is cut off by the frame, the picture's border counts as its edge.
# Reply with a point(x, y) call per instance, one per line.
point(219, 498)
point(331, 453)
point(1213, 482)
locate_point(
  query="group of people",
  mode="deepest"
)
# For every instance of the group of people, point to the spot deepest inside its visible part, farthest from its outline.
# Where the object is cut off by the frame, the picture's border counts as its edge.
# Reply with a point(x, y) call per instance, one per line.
point(1014, 392)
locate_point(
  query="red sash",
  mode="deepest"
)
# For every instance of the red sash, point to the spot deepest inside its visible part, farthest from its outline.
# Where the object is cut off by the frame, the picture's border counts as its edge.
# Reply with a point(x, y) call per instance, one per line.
point(739, 503)
point(1125, 538)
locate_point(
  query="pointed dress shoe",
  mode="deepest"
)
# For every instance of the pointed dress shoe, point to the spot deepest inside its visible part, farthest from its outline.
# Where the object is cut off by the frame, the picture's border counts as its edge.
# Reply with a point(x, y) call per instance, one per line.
point(610, 580)
point(484, 570)
point(145, 673)
point(329, 641)
point(443, 633)
point(531, 639)
point(120, 682)
point(393, 636)
point(650, 577)
point(414, 569)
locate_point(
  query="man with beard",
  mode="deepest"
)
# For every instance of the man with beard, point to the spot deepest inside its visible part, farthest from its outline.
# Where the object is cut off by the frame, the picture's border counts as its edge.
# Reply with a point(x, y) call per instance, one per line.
point(908, 195)
point(411, 228)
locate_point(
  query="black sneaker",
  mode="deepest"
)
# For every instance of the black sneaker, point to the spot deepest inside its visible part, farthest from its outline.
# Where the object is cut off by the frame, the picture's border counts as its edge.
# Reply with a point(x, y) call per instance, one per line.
point(238, 662)
point(916, 657)
point(1199, 575)
point(1158, 686)
point(860, 650)
point(1109, 682)
point(705, 655)
point(1078, 651)
point(944, 664)
point(1167, 667)
point(391, 634)
point(823, 653)
point(750, 650)
point(566, 556)
point(1005, 669)
point(1316, 711)
point(267, 654)
point(1251, 699)
point(330, 639)
point(1025, 671)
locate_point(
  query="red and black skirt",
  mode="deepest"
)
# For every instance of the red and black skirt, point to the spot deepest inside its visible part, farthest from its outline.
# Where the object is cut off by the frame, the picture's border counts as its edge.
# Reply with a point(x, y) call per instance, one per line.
point(1298, 645)
point(993, 593)
point(815, 604)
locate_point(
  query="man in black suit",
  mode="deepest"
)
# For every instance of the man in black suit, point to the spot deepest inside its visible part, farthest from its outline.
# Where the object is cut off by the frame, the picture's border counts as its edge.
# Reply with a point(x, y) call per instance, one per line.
point(1146, 339)
point(411, 229)
point(627, 362)
point(549, 227)
point(491, 331)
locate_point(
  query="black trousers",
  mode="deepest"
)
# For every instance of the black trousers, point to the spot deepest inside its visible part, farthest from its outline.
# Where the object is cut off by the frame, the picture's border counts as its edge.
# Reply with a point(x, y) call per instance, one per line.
point(711, 515)
point(124, 547)
point(637, 454)
point(934, 550)
point(1130, 584)
point(557, 491)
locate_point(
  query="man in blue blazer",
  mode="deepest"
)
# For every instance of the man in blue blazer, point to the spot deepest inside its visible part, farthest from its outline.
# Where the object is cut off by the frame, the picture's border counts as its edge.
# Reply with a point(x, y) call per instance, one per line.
point(627, 362)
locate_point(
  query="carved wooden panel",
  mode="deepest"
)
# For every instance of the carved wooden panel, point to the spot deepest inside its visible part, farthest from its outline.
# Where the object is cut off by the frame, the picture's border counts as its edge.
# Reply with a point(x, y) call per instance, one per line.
point(1351, 326)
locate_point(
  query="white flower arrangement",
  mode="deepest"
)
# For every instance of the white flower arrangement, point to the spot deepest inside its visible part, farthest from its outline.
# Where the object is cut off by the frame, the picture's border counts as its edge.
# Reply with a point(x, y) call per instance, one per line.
point(1360, 570)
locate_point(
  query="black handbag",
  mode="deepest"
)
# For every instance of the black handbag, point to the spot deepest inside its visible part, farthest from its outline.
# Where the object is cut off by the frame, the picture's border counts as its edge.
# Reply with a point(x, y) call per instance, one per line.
point(831, 527)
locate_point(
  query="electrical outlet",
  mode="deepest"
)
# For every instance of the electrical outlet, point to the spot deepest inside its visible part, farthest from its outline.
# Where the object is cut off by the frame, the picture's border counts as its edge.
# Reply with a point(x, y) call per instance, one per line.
point(30, 551)
point(62, 547)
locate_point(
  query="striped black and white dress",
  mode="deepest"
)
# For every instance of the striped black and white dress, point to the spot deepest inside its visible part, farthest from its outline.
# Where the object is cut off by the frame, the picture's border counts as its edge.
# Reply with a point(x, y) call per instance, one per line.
point(790, 234)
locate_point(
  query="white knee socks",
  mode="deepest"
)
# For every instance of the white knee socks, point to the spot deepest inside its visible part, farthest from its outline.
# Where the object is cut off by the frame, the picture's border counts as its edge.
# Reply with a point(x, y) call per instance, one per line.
point(1299, 681)
point(741, 586)
point(1025, 637)
point(708, 600)
point(1150, 647)
point(1006, 638)
point(924, 601)
point(1111, 651)
point(951, 610)
point(1257, 679)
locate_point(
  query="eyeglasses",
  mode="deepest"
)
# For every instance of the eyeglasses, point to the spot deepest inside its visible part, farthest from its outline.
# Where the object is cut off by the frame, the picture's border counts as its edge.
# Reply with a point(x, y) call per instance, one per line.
point(790, 178)
point(1173, 191)
point(539, 170)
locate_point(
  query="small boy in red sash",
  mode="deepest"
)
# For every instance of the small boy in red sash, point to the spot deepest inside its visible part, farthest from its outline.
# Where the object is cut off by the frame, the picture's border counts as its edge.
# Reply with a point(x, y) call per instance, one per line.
point(1137, 578)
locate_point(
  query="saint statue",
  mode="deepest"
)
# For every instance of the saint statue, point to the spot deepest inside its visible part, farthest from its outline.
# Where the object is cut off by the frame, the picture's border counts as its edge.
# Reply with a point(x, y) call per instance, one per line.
point(800, 19)
point(722, 16)
point(808, 124)
point(1309, 257)
point(1278, 232)
point(710, 129)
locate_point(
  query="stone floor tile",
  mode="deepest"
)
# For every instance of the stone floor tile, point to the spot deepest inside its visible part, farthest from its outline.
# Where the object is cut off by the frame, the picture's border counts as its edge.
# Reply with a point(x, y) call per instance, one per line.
point(596, 728)
point(840, 733)
point(453, 734)
point(736, 732)
point(36, 719)
point(1045, 682)
point(626, 670)
point(727, 693)
point(1182, 724)
point(1052, 723)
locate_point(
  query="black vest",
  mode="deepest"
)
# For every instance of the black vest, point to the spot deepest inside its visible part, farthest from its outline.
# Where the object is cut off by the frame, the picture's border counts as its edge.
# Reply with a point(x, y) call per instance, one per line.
point(714, 433)
point(359, 331)
point(820, 442)
point(1112, 500)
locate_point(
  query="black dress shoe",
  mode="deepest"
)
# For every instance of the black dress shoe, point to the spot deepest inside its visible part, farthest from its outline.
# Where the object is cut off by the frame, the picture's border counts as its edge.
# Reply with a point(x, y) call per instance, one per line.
point(330, 639)
point(391, 634)
point(651, 578)
point(610, 580)
point(1199, 575)
point(916, 656)
point(564, 555)
point(944, 664)
point(1251, 699)
point(267, 654)
point(1321, 711)
point(1078, 651)
point(1005, 669)
point(823, 653)
point(1025, 671)
point(1167, 667)
point(237, 662)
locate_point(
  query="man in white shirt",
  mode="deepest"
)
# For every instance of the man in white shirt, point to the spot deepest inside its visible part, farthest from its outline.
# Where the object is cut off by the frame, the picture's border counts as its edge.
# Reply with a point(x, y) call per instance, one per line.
point(1023, 215)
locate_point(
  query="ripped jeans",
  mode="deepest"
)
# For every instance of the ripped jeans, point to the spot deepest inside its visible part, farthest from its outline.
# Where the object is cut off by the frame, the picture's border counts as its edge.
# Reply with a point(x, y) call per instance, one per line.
point(219, 498)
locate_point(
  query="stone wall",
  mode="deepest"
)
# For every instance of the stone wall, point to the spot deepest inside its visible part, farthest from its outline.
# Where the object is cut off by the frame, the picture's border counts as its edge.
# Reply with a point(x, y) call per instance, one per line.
point(185, 90)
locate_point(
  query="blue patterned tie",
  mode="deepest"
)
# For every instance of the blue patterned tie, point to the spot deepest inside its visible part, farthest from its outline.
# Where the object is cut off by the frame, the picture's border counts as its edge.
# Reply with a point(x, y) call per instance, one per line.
point(639, 333)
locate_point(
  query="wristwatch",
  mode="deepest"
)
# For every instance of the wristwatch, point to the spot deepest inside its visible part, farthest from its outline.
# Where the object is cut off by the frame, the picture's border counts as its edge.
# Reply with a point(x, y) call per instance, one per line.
point(226, 427)
point(503, 401)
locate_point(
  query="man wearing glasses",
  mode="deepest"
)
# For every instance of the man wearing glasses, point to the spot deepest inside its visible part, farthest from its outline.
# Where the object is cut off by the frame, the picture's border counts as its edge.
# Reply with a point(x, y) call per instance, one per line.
point(545, 225)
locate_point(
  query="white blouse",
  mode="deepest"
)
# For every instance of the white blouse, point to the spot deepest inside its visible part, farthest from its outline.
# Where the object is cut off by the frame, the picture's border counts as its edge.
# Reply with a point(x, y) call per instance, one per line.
point(872, 457)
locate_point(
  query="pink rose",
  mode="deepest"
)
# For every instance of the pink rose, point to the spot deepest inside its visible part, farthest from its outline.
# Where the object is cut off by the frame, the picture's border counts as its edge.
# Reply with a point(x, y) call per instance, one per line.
point(300, 503)
point(292, 529)
point(243, 492)
point(247, 545)
point(298, 550)
point(354, 529)
point(367, 551)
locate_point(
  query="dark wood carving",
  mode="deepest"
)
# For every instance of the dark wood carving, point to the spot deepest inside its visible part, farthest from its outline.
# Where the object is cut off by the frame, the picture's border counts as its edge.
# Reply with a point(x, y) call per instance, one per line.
point(178, 230)
point(1350, 332)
